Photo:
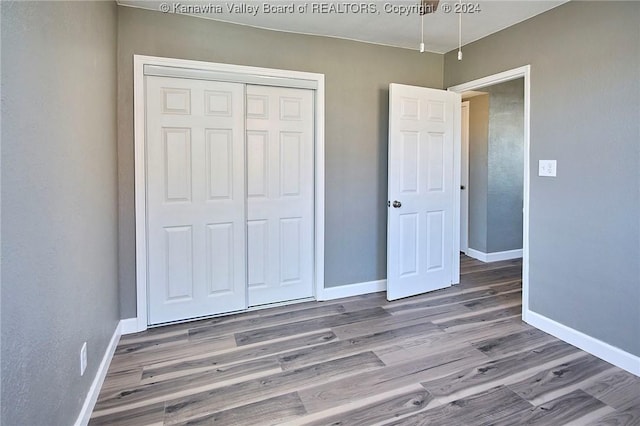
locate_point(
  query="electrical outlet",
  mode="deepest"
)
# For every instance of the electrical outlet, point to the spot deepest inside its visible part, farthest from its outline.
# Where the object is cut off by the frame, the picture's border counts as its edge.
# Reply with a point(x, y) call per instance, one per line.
point(547, 168)
point(83, 358)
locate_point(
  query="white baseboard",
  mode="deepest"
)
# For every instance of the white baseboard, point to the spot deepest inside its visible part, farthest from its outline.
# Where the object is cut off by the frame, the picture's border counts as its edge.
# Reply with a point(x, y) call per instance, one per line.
point(96, 385)
point(356, 289)
point(494, 257)
point(605, 351)
point(129, 326)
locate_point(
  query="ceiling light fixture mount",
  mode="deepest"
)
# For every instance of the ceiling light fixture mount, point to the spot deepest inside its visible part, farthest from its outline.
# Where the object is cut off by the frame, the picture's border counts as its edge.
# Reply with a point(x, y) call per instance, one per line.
point(460, 32)
point(426, 6)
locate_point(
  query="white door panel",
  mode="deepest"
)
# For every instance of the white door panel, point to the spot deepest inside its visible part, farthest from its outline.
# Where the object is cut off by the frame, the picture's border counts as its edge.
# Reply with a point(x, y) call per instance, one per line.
point(279, 194)
point(420, 233)
point(195, 198)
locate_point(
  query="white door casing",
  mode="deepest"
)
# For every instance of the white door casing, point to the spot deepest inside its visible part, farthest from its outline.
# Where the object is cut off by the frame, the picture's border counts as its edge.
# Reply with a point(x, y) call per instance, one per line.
point(279, 143)
point(464, 179)
point(422, 229)
point(196, 198)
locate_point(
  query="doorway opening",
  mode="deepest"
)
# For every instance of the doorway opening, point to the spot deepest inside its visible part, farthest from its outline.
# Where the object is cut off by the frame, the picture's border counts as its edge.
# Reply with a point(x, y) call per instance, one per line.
point(513, 88)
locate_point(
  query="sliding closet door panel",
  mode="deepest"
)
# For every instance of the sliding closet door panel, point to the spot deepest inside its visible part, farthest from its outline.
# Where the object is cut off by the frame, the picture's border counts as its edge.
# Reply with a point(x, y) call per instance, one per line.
point(195, 198)
point(279, 193)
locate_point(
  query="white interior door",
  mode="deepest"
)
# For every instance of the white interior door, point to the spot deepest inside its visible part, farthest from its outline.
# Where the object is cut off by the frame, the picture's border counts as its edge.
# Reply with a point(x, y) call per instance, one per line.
point(195, 198)
point(420, 224)
point(464, 179)
point(279, 193)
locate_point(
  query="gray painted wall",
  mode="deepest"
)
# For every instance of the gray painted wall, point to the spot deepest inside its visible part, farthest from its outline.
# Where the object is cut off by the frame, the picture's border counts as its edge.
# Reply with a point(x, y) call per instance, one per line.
point(585, 104)
point(59, 210)
point(506, 143)
point(357, 80)
point(478, 171)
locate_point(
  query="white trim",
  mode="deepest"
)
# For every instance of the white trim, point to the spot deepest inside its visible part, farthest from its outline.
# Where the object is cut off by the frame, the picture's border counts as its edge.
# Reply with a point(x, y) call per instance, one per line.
point(128, 326)
point(231, 77)
point(525, 72)
point(605, 351)
point(140, 192)
point(96, 385)
point(139, 61)
point(494, 257)
point(464, 149)
point(356, 289)
point(457, 160)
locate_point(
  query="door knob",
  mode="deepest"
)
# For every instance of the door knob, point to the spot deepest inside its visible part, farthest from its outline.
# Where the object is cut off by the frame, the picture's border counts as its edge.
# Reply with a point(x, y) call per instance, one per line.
point(397, 204)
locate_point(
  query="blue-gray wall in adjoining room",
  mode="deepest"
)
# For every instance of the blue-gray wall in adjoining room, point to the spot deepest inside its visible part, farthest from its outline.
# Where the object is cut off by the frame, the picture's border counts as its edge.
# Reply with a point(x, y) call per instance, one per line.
point(506, 166)
point(478, 171)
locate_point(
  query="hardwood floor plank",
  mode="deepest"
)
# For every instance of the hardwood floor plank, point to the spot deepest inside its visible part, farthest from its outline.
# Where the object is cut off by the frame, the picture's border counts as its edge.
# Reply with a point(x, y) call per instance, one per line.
point(430, 366)
point(183, 327)
point(181, 366)
point(503, 371)
point(618, 389)
point(161, 391)
point(491, 276)
point(498, 347)
point(368, 300)
point(479, 266)
point(259, 322)
point(291, 329)
point(341, 348)
point(448, 340)
point(374, 300)
point(143, 336)
point(499, 300)
point(268, 412)
point(627, 417)
point(121, 379)
point(559, 379)
point(204, 403)
point(150, 343)
point(168, 353)
point(562, 410)
point(485, 317)
point(400, 319)
point(146, 415)
point(483, 408)
point(394, 406)
point(443, 299)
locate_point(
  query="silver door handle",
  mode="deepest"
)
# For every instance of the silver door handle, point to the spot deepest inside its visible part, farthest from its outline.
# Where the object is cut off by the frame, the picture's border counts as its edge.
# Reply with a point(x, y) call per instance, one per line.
point(397, 204)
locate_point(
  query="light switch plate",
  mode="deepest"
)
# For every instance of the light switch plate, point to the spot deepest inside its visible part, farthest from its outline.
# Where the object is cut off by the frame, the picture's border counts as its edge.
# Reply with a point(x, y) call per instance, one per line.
point(547, 168)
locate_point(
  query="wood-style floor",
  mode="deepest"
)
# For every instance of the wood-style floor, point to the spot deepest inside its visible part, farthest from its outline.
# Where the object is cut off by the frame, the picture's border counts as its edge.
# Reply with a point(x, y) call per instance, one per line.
point(459, 356)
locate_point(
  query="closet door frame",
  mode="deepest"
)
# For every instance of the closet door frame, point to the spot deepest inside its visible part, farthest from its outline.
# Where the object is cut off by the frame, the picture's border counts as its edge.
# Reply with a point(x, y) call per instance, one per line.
point(170, 67)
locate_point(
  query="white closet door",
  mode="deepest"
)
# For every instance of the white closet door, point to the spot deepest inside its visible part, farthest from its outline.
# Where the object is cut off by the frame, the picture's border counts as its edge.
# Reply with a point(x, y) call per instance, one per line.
point(279, 193)
point(195, 198)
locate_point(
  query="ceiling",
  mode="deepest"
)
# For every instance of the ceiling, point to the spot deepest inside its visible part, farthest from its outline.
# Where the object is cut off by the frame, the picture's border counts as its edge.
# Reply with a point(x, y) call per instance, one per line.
point(385, 25)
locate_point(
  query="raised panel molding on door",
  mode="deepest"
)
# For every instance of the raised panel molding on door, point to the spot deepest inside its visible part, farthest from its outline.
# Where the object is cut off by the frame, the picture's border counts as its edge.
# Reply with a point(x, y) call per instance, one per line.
point(280, 205)
point(195, 198)
point(422, 190)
